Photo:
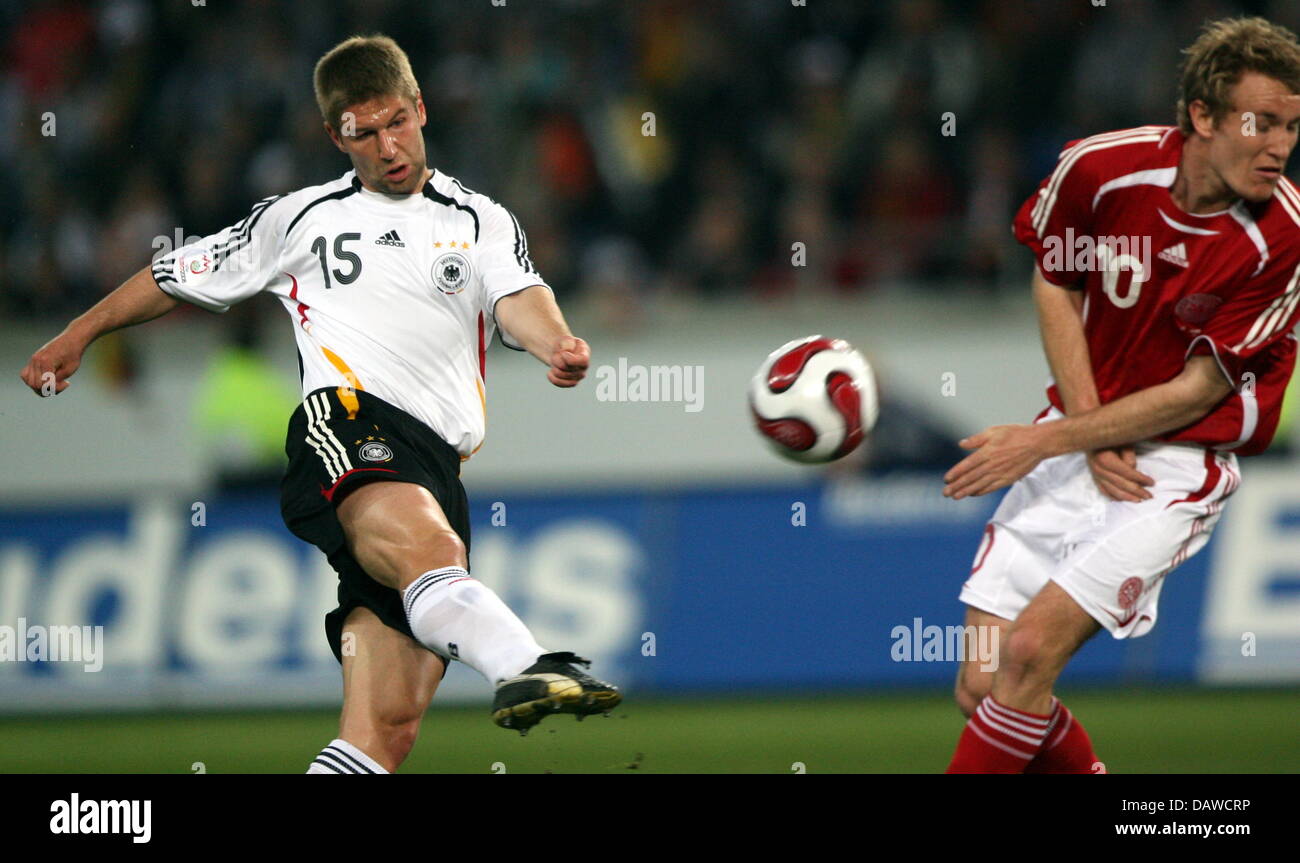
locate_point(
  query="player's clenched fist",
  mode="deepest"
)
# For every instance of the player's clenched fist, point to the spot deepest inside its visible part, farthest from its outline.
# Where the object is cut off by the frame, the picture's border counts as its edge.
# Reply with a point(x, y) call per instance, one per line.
point(569, 361)
point(48, 370)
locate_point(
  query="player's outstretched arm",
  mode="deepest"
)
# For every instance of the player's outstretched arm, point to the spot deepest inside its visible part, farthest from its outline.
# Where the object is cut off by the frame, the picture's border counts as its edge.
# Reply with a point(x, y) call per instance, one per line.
point(137, 300)
point(1060, 320)
point(1143, 415)
point(533, 319)
point(1004, 454)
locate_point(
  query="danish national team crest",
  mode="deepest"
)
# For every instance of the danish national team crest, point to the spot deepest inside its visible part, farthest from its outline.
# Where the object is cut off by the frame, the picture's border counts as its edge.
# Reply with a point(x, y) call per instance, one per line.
point(451, 273)
point(1129, 593)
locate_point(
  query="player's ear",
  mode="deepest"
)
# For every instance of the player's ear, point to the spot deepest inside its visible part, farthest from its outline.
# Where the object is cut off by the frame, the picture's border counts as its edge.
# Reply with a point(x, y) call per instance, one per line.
point(1202, 120)
point(334, 136)
point(419, 108)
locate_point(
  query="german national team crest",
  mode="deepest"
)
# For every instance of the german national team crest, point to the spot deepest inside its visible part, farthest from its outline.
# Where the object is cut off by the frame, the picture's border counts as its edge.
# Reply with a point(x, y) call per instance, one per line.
point(375, 451)
point(451, 273)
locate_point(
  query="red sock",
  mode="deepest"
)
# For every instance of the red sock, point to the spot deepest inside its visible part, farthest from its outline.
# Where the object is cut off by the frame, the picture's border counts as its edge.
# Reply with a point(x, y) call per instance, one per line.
point(1067, 748)
point(998, 739)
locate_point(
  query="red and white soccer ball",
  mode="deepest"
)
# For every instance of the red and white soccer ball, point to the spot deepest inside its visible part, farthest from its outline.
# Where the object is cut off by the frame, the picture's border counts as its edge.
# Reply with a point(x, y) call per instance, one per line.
point(814, 399)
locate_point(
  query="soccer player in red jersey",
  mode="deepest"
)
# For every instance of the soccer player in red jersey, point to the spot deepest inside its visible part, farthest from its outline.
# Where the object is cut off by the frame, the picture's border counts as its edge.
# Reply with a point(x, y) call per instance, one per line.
point(1167, 288)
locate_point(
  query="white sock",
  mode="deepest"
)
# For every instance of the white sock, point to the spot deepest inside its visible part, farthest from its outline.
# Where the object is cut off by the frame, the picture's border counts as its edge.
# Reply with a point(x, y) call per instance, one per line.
point(457, 616)
point(342, 757)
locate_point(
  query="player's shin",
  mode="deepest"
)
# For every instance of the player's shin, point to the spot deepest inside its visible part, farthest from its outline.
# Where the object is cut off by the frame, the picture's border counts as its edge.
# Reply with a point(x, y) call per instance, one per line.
point(1067, 748)
point(454, 615)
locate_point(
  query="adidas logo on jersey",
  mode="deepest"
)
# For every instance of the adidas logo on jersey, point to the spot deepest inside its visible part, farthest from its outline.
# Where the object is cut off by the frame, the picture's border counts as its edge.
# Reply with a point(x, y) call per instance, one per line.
point(1175, 254)
point(390, 239)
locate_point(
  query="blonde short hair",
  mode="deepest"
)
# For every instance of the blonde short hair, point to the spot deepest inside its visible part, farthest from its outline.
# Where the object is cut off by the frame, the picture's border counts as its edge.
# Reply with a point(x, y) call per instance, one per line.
point(359, 69)
point(1226, 49)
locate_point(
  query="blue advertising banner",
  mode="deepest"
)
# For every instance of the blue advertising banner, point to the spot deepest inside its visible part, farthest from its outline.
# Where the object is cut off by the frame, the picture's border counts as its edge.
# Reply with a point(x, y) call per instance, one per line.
point(160, 602)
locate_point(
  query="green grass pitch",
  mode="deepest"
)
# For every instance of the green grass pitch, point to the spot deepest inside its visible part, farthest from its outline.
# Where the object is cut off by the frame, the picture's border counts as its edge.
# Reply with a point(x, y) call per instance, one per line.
point(1134, 731)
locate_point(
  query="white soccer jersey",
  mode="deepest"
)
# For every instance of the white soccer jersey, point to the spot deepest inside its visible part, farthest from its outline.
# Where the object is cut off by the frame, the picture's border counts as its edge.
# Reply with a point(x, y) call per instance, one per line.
point(394, 296)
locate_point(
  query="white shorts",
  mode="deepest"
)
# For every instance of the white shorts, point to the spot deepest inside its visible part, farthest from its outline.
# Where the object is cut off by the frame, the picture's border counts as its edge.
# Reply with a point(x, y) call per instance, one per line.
point(1110, 556)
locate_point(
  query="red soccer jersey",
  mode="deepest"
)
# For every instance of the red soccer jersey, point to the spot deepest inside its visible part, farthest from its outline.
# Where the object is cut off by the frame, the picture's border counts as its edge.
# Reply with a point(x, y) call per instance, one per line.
point(1161, 284)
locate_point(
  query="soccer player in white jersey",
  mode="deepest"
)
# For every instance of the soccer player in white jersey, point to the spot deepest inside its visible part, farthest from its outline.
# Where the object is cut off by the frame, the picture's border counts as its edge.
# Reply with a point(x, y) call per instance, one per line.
point(395, 277)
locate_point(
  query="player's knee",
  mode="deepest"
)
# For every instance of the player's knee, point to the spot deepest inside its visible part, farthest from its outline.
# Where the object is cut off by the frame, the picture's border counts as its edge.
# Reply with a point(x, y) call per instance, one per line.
point(1027, 652)
point(393, 735)
point(446, 548)
point(399, 739)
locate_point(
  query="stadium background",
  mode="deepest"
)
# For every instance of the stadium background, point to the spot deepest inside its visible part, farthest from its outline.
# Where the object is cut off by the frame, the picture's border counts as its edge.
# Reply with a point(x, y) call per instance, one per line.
point(751, 608)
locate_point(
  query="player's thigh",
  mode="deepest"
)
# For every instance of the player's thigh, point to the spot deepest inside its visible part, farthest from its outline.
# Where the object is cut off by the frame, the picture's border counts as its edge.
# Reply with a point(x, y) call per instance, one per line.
point(1048, 632)
point(974, 674)
point(388, 679)
point(398, 530)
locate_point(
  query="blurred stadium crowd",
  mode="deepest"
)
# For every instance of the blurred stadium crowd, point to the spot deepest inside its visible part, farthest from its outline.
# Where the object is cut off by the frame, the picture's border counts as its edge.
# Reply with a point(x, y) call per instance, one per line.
point(774, 124)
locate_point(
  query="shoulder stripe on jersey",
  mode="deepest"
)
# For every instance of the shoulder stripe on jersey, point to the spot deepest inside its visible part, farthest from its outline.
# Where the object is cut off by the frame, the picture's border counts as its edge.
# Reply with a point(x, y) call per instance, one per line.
point(239, 237)
point(521, 239)
point(1242, 217)
point(1073, 152)
point(462, 186)
point(1272, 319)
point(243, 233)
point(521, 247)
point(1047, 197)
point(438, 197)
point(1036, 213)
point(332, 196)
point(1289, 197)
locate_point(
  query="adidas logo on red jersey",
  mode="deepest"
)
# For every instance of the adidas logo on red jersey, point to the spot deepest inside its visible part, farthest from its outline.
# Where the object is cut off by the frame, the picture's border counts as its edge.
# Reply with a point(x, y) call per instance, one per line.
point(1175, 254)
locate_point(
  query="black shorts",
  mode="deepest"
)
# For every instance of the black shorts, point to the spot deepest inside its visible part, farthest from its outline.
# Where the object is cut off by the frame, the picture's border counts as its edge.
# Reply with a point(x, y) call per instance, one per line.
point(336, 445)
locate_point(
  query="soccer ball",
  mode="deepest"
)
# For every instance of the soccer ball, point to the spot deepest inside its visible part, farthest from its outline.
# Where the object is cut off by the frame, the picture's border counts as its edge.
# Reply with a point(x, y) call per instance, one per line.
point(814, 399)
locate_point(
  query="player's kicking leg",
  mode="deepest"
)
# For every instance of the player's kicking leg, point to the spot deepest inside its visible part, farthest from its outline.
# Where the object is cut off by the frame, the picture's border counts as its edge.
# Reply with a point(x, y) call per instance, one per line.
point(388, 682)
point(401, 537)
point(1015, 723)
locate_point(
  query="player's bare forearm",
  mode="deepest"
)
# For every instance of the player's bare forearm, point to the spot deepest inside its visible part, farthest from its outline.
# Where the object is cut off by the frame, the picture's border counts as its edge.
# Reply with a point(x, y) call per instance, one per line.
point(137, 300)
point(1004, 454)
point(1144, 414)
point(1060, 320)
point(533, 319)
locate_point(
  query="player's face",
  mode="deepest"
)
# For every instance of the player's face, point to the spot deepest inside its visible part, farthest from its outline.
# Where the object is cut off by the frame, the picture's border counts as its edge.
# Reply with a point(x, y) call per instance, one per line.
point(1249, 147)
point(382, 138)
